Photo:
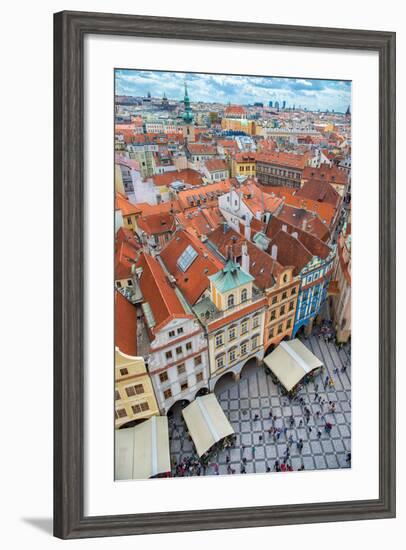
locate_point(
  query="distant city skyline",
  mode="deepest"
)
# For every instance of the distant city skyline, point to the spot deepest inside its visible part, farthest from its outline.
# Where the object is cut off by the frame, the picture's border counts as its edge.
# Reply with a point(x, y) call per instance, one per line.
point(214, 88)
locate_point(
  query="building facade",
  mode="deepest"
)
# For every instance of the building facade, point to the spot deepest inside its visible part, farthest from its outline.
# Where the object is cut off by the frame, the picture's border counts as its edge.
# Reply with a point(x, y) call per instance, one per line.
point(280, 169)
point(233, 319)
point(341, 302)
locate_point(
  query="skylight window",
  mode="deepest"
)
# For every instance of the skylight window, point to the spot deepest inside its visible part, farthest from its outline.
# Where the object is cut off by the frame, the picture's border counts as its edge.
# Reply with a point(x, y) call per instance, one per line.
point(187, 258)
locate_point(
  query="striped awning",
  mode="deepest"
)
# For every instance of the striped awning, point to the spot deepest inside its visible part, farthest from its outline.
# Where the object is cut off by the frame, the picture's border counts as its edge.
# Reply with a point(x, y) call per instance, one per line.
point(143, 451)
point(206, 422)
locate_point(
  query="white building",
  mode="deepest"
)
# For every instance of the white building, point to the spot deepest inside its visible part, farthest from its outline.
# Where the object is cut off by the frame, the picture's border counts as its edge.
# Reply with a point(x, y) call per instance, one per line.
point(178, 359)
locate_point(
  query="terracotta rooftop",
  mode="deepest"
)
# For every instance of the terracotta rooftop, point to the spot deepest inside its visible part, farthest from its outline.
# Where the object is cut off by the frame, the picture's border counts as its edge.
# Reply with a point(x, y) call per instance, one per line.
point(125, 325)
point(192, 279)
point(200, 221)
point(158, 293)
point(148, 209)
point(127, 208)
point(261, 266)
point(203, 195)
point(215, 165)
point(319, 191)
point(189, 176)
point(234, 110)
point(247, 156)
point(326, 173)
point(156, 224)
point(124, 259)
point(125, 235)
point(290, 160)
point(201, 149)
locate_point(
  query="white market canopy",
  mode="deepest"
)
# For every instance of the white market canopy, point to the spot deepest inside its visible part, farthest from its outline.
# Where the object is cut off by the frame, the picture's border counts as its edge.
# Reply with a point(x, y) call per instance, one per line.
point(143, 451)
point(291, 361)
point(206, 422)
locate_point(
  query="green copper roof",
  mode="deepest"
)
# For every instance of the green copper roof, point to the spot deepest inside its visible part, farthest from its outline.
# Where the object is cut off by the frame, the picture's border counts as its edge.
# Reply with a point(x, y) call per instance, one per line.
point(187, 115)
point(230, 277)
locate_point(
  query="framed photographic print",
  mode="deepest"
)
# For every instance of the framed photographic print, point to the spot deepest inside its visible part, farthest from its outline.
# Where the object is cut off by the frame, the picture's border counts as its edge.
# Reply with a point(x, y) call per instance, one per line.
point(224, 275)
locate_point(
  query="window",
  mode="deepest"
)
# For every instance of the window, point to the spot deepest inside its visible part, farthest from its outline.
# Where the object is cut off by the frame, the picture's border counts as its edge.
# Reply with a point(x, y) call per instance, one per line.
point(291, 306)
point(163, 377)
point(179, 350)
point(273, 314)
point(274, 299)
point(121, 413)
point(220, 361)
point(254, 342)
point(282, 310)
point(129, 282)
point(232, 354)
point(199, 377)
point(271, 333)
point(289, 323)
point(219, 340)
point(280, 328)
point(230, 300)
point(181, 368)
point(117, 395)
point(123, 372)
point(189, 346)
point(244, 295)
point(284, 295)
point(255, 321)
point(168, 393)
point(293, 291)
point(244, 327)
point(168, 355)
point(180, 330)
point(243, 348)
point(144, 406)
point(171, 333)
point(183, 386)
point(118, 284)
point(136, 409)
point(198, 360)
point(134, 390)
point(232, 333)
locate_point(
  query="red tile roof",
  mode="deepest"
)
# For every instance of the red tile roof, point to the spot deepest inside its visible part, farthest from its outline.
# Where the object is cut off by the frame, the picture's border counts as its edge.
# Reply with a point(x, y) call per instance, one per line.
point(247, 156)
point(201, 149)
point(215, 165)
point(156, 224)
point(203, 195)
point(200, 221)
point(326, 173)
point(325, 211)
point(127, 208)
point(194, 281)
point(319, 191)
point(126, 235)
point(290, 160)
point(234, 110)
point(149, 209)
point(125, 325)
point(261, 266)
point(124, 260)
point(192, 177)
point(158, 292)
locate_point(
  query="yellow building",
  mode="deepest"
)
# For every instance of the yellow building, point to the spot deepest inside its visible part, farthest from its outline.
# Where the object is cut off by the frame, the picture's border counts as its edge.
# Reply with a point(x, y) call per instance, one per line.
point(233, 318)
point(244, 164)
point(134, 394)
point(235, 119)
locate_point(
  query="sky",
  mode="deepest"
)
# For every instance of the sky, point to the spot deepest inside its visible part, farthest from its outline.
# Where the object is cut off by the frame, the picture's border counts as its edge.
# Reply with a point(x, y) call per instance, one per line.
point(241, 90)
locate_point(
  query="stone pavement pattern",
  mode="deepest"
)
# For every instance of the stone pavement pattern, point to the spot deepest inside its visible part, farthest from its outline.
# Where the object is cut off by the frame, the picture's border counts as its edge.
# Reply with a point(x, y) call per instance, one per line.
point(256, 394)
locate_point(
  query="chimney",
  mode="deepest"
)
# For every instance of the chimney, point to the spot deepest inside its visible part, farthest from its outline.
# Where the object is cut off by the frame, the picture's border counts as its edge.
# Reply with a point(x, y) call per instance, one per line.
point(274, 252)
point(247, 231)
point(245, 260)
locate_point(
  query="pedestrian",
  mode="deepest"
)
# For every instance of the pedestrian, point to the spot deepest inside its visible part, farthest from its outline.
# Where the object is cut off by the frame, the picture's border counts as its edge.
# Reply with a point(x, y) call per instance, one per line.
point(300, 423)
point(319, 434)
point(228, 458)
point(256, 417)
point(244, 460)
point(270, 413)
point(260, 438)
point(243, 470)
point(268, 469)
point(253, 451)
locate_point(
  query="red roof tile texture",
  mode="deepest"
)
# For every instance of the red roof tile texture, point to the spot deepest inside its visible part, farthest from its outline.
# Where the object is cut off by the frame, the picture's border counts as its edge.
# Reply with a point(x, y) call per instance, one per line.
point(215, 165)
point(156, 224)
point(189, 176)
point(125, 325)
point(326, 173)
point(158, 292)
point(194, 281)
point(289, 160)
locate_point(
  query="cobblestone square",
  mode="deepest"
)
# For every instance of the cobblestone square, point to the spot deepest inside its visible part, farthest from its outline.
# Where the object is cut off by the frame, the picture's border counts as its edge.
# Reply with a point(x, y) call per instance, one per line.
point(255, 393)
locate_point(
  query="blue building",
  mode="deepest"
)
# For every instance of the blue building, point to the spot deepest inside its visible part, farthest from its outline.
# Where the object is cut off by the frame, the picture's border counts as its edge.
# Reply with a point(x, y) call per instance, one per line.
point(313, 261)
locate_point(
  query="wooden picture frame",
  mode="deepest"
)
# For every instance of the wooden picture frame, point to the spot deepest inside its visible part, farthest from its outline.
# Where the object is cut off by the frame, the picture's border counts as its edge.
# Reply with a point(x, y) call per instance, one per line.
point(70, 29)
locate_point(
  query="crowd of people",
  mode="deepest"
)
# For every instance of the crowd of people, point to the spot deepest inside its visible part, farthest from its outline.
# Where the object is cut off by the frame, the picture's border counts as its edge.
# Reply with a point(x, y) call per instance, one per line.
point(281, 429)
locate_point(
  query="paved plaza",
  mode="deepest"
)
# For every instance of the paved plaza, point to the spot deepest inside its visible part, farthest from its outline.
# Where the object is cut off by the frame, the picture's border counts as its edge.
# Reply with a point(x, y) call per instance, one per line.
point(256, 394)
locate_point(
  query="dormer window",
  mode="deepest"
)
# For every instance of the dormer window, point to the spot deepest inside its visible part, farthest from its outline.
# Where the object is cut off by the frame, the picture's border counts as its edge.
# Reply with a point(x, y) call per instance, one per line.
point(244, 295)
